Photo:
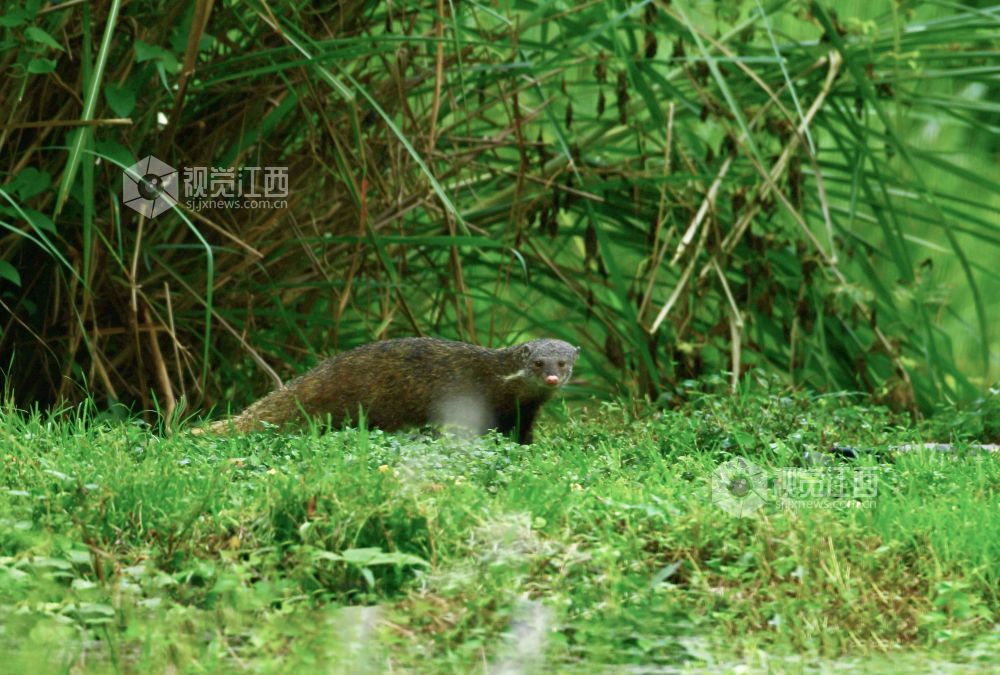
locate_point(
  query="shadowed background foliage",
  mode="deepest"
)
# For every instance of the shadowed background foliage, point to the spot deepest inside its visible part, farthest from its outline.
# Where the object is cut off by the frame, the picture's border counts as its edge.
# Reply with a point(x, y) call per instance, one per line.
point(681, 188)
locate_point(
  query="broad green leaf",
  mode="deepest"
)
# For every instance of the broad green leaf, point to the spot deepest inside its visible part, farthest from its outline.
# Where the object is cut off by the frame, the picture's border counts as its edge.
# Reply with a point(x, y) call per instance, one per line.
point(38, 35)
point(13, 18)
point(10, 273)
point(120, 98)
point(115, 152)
point(30, 182)
point(40, 221)
point(362, 556)
point(51, 563)
point(40, 66)
point(147, 52)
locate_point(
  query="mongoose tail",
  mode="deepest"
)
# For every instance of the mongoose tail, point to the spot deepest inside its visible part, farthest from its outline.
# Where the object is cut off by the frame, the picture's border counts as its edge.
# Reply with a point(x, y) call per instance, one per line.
point(417, 381)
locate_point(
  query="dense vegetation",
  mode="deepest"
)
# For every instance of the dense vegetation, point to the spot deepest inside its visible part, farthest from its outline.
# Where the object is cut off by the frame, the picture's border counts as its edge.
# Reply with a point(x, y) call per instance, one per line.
point(599, 545)
point(681, 190)
point(771, 225)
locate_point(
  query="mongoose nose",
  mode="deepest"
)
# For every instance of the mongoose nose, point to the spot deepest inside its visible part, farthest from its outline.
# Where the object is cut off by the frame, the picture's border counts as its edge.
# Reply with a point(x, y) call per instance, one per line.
point(552, 380)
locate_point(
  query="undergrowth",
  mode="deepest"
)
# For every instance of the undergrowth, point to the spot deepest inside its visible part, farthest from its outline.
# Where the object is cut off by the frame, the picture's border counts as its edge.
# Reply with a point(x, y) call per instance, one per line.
point(123, 549)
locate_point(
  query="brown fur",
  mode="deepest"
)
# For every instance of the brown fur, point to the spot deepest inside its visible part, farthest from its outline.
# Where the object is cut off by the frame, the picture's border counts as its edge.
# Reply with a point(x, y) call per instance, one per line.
point(417, 381)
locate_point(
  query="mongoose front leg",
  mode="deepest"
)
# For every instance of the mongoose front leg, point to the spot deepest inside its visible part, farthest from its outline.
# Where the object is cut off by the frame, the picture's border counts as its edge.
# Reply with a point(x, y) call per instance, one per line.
point(526, 423)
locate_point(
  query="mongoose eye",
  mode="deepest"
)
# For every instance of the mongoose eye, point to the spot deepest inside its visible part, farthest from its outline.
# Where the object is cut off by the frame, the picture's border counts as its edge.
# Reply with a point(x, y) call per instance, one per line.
point(562, 364)
point(538, 364)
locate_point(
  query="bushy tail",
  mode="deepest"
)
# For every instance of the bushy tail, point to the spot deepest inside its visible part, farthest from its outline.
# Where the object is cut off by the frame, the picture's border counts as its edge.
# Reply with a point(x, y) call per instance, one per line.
point(232, 425)
point(278, 408)
point(235, 424)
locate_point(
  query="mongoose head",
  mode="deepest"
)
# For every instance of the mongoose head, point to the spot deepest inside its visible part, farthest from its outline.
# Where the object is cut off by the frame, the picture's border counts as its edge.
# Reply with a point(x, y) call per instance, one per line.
point(544, 364)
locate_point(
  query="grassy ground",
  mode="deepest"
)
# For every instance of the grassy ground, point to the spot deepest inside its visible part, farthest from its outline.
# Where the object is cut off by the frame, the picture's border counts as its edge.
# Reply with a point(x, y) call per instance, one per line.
point(121, 549)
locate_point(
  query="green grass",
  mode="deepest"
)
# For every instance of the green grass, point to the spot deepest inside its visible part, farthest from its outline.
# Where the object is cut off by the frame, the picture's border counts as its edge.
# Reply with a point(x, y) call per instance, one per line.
point(122, 549)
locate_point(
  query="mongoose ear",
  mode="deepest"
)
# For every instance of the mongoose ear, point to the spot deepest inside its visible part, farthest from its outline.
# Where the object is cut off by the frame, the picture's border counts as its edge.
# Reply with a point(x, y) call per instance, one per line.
point(522, 352)
point(577, 351)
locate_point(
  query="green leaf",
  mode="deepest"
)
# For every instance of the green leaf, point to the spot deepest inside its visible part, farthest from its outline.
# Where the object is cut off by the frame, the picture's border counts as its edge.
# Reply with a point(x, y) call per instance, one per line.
point(121, 99)
point(78, 556)
point(51, 563)
point(665, 573)
point(30, 182)
point(327, 555)
point(93, 613)
point(79, 139)
point(39, 220)
point(365, 557)
point(115, 152)
point(38, 35)
point(362, 556)
point(10, 273)
point(39, 66)
point(14, 18)
point(147, 52)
